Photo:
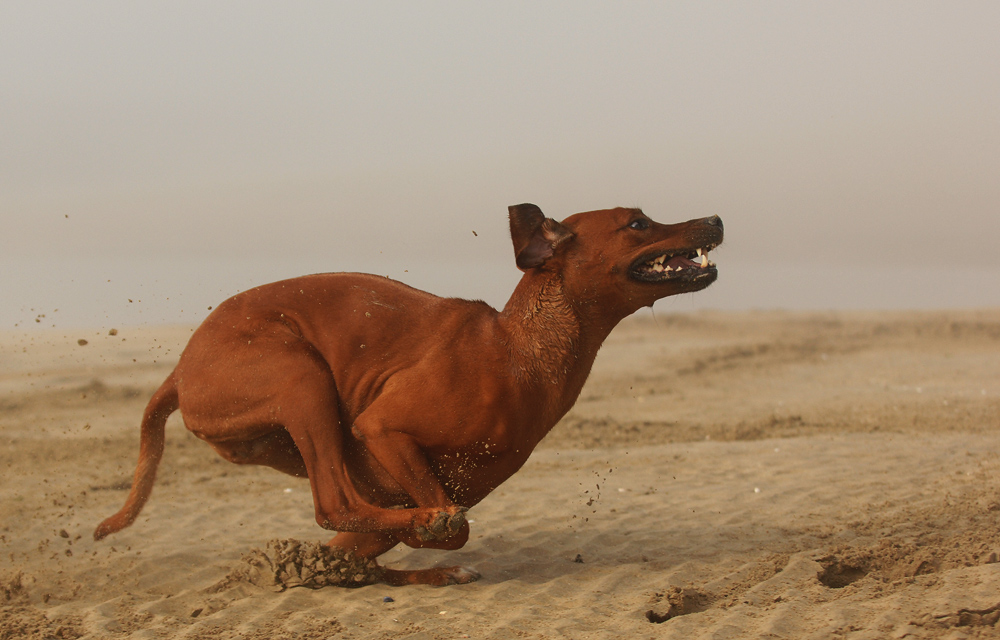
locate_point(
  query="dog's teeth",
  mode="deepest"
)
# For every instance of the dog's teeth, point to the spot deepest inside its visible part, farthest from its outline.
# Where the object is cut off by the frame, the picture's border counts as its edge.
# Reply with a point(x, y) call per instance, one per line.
point(660, 259)
point(704, 259)
point(699, 252)
point(658, 267)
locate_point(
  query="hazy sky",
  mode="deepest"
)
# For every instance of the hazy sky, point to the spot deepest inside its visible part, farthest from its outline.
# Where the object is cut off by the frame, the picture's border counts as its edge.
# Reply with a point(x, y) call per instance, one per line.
point(187, 150)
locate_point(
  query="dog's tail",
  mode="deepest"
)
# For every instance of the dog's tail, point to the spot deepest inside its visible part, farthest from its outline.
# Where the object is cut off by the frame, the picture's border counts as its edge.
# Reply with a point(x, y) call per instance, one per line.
point(151, 438)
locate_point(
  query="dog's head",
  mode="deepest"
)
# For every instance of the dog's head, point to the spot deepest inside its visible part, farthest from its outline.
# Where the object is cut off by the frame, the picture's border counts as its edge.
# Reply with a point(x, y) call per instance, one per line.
point(617, 257)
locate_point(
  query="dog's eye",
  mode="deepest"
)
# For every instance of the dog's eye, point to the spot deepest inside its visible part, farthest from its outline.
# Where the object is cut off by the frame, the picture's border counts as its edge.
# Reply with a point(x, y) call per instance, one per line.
point(639, 224)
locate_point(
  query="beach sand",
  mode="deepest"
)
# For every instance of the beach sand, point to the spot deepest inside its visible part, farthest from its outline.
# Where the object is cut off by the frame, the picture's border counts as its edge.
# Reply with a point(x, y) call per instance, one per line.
point(723, 475)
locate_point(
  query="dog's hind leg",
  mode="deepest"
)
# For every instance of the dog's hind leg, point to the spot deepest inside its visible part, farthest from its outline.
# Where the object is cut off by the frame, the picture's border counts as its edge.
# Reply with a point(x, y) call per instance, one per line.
point(283, 411)
point(309, 411)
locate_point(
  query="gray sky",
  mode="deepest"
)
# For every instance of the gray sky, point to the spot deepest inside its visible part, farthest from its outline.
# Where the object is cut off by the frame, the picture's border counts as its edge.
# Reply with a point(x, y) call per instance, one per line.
point(184, 151)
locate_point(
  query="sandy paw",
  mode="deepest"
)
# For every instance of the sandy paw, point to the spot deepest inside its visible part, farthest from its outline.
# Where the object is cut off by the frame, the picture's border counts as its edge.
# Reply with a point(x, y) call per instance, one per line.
point(461, 575)
point(445, 524)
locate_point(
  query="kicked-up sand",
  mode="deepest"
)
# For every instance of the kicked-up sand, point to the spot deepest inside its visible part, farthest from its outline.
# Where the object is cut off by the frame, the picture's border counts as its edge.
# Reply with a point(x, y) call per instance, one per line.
point(723, 475)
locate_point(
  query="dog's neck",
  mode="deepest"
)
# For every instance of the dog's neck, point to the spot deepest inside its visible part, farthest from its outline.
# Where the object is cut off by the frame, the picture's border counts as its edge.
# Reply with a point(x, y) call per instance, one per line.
point(552, 343)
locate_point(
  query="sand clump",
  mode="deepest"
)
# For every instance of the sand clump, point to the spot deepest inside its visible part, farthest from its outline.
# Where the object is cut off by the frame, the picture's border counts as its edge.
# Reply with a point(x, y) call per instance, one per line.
point(293, 563)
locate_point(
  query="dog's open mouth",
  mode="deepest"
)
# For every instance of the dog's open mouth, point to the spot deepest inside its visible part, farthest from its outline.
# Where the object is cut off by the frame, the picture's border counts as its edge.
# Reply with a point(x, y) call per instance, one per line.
point(681, 265)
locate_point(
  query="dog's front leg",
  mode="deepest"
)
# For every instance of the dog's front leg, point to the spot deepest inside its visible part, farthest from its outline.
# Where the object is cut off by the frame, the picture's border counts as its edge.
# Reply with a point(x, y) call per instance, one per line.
point(402, 458)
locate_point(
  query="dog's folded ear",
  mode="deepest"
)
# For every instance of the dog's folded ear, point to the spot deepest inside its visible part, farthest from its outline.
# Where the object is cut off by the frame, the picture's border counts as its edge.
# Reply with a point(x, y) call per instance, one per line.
point(535, 237)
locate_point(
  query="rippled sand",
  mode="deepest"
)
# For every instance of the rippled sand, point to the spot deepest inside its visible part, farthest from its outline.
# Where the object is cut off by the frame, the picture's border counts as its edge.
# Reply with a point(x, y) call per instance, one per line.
point(736, 475)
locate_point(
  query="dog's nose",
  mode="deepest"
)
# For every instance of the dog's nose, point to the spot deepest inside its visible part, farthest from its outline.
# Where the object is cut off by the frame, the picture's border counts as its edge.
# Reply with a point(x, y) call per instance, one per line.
point(715, 221)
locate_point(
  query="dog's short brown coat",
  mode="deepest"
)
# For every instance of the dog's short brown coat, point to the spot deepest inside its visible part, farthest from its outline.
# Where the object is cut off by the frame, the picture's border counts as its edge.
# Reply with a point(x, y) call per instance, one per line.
point(403, 408)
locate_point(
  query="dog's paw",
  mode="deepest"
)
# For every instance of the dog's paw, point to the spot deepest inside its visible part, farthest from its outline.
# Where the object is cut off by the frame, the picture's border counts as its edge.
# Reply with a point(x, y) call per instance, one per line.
point(442, 525)
point(461, 575)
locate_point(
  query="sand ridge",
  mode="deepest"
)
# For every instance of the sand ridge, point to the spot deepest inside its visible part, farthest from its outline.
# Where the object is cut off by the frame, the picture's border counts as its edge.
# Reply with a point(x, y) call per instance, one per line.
point(779, 475)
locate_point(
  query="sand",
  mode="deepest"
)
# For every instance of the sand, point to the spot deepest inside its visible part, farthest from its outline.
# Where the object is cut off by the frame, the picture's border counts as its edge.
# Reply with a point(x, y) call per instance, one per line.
point(724, 475)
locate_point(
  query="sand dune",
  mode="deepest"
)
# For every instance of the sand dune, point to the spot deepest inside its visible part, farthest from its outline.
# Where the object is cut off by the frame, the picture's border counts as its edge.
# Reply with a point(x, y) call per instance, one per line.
point(738, 475)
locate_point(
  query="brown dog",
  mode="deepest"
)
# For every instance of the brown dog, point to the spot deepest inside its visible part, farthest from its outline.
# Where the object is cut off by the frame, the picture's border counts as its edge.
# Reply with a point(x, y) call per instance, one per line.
point(403, 408)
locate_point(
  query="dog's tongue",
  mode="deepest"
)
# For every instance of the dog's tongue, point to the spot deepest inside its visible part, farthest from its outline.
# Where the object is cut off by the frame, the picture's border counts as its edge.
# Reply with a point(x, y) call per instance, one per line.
point(678, 262)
